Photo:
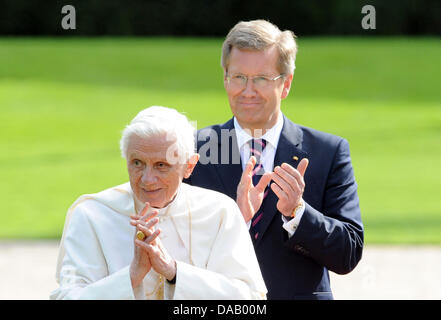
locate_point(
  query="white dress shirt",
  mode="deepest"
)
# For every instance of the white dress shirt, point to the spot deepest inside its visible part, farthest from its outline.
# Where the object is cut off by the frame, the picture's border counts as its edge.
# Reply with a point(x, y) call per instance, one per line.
point(272, 137)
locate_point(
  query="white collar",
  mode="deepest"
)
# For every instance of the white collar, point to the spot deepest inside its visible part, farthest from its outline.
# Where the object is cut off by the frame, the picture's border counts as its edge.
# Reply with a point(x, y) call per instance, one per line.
point(272, 135)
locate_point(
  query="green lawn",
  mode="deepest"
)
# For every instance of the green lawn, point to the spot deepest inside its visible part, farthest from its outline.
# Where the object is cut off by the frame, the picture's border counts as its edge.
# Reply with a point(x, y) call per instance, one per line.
point(64, 103)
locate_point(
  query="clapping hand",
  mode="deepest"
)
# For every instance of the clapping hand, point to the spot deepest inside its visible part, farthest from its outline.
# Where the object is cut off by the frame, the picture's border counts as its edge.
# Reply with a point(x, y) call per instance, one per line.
point(150, 248)
point(289, 185)
point(141, 265)
point(250, 197)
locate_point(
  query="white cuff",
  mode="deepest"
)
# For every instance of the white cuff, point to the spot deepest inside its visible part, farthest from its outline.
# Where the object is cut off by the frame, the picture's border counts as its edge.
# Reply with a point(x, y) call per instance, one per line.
point(291, 225)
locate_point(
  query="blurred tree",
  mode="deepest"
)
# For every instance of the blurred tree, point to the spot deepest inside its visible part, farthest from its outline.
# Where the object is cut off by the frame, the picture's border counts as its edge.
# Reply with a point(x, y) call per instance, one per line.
point(216, 17)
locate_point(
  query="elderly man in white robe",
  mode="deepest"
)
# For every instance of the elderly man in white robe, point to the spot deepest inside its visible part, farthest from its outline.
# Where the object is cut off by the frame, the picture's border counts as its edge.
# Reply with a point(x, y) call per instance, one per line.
point(156, 237)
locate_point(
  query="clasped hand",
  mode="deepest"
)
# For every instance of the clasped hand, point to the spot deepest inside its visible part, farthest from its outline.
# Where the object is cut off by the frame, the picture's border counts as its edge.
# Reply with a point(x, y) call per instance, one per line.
point(288, 186)
point(149, 252)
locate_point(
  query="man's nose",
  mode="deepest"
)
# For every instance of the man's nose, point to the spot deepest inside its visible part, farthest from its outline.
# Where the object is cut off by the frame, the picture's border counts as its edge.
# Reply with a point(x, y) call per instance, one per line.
point(148, 176)
point(249, 90)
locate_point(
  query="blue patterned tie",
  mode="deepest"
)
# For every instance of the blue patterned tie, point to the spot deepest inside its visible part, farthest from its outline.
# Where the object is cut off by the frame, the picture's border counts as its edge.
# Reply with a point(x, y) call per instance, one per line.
point(256, 149)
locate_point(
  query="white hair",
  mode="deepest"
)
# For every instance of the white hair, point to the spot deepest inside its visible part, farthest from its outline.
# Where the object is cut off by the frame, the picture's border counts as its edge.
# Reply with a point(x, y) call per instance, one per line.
point(156, 121)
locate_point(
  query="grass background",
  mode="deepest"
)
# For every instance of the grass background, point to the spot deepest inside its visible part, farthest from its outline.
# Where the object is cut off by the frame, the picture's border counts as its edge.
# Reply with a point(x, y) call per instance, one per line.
point(64, 103)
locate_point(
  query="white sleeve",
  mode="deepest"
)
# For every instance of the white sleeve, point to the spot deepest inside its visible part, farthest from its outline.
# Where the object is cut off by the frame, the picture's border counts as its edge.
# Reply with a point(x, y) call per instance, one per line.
point(84, 273)
point(232, 270)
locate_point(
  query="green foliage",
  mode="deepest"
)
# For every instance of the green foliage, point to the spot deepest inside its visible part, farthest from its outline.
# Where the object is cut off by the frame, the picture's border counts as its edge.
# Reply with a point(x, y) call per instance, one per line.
point(64, 103)
point(215, 18)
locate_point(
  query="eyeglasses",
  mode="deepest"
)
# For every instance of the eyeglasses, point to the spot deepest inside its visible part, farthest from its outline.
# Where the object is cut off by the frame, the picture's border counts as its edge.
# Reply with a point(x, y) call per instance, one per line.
point(260, 82)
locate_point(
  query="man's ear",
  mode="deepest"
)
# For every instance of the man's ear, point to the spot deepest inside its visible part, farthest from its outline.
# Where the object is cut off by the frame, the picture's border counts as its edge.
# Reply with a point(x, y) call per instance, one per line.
point(191, 163)
point(287, 85)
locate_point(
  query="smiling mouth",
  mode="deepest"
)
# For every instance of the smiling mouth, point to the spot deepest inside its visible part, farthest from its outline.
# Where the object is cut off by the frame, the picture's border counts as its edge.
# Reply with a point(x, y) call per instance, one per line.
point(151, 191)
point(249, 104)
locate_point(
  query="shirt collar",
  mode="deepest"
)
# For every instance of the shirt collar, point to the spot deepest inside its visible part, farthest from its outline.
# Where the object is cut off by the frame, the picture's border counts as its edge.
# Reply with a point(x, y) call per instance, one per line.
point(271, 136)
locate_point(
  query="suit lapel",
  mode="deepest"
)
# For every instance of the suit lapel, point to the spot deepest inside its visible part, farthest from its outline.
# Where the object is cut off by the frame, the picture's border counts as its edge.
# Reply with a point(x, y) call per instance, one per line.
point(228, 170)
point(289, 150)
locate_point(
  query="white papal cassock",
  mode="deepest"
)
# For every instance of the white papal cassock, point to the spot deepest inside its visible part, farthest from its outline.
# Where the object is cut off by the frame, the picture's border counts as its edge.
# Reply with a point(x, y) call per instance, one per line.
point(203, 231)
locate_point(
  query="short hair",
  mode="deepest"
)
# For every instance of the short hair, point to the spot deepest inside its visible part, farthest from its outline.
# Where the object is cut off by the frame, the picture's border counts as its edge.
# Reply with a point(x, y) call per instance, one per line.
point(156, 121)
point(260, 35)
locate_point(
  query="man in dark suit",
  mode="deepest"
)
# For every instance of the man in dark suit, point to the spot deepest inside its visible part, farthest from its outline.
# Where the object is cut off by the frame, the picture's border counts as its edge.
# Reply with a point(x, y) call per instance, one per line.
point(295, 186)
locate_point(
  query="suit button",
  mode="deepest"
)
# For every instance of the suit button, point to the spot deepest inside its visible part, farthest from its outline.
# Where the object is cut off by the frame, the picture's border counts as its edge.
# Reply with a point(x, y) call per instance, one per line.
point(300, 249)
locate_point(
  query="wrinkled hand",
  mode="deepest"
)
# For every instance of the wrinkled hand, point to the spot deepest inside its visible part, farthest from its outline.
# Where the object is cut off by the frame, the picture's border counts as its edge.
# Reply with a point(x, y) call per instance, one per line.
point(160, 259)
point(289, 186)
point(250, 197)
point(141, 264)
point(152, 248)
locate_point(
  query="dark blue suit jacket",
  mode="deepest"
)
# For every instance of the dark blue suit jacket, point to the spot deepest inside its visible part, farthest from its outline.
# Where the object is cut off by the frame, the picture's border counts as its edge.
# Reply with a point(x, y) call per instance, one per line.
point(330, 233)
